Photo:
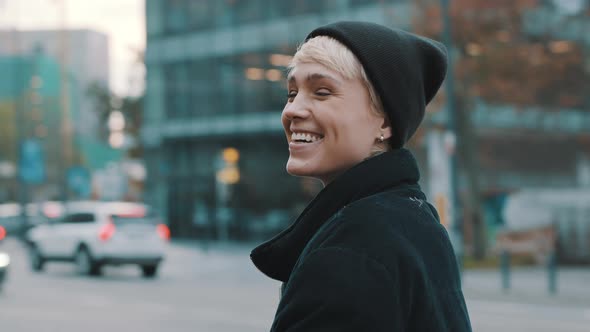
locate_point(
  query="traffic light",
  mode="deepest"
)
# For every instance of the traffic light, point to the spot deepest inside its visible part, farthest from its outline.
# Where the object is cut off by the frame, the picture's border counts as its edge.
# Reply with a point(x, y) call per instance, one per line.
point(116, 125)
point(229, 172)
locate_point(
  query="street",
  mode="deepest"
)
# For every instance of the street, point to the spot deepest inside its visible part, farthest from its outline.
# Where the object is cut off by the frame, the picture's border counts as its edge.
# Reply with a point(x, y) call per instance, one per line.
point(219, 290)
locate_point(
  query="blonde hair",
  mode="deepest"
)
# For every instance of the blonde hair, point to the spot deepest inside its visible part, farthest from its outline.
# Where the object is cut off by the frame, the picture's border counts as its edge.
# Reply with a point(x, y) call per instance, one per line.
point(333, 55)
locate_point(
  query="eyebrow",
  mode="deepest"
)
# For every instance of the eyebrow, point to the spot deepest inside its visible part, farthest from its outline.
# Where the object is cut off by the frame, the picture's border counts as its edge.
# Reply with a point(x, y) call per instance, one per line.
point(314, 77)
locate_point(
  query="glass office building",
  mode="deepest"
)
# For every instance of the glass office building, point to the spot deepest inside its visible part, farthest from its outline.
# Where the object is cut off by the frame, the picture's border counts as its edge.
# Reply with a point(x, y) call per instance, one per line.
point(216, 72)
point(215, 80)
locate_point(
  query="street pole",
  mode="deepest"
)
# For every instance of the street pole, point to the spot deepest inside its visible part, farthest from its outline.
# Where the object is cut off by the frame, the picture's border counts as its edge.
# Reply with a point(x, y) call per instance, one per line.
point(457, 223)
point(17, 81)
point(66, 125)
point(21, 94)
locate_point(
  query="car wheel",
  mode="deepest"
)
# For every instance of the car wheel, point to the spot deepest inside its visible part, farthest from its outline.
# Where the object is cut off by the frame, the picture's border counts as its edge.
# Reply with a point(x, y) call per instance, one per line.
point(85, 265)
point(149, 271)
point(36, 259)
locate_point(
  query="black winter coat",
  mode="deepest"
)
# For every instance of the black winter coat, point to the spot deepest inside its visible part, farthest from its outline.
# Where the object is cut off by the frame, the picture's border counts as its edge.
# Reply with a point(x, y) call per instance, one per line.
point(367, 254)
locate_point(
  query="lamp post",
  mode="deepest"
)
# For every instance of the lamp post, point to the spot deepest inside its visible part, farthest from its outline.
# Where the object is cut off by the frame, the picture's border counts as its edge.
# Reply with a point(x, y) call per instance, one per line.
point(457, 224)
point(20, 135)
point(66, 125)
point(227, 175)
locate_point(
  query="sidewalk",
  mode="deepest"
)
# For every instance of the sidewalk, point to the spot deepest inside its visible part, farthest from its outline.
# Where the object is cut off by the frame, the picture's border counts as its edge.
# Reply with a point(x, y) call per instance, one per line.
point(213, 247)
point(527, 284)
point(530, 285)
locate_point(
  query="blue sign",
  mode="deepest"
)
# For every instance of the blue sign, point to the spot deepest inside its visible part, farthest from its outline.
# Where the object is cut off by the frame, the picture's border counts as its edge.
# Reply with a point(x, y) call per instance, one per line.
point(31, 163)
point(79, 181)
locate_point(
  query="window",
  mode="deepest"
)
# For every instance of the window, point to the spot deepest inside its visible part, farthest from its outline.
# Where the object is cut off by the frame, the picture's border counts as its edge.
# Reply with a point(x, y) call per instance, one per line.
point(329, 5)
point(359, 3)
point(184, 158)
point(199, 14)
point(203, 83)
point(175, 16)
point(182, 90)
point(222, 12)
point(249, 10)
point(170, 91)
point(307, 6)
point(79, 218)
point(177, 90)
point(279, 9)
point(252, 72)
point(227, 92)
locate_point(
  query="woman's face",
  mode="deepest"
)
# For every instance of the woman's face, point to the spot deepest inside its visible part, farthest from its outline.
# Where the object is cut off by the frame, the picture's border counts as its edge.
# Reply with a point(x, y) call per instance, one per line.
point(328, 122)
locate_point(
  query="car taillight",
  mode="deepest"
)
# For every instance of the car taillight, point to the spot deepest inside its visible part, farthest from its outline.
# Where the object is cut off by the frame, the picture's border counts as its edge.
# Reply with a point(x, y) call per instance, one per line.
point(106, 231)
point(2, 233)
point(163, 231)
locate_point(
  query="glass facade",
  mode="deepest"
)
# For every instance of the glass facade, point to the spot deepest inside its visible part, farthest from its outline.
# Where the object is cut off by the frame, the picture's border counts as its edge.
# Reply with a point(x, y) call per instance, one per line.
point(30, 109)
point(181, 16)
point(216, 79)
point(213, 86)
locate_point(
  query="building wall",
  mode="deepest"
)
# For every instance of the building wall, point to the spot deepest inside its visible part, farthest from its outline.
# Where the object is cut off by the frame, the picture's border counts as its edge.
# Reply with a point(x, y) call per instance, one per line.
point(30, 103)
point(87, 58)
point(215, 79)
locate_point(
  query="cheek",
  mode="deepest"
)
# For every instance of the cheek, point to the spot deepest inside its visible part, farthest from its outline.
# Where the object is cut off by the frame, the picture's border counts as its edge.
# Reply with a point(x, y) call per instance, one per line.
point(355, 142)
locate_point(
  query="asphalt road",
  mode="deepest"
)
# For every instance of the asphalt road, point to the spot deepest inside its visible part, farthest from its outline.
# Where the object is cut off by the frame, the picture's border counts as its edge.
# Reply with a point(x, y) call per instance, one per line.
point(195, 291)
point(216, 290)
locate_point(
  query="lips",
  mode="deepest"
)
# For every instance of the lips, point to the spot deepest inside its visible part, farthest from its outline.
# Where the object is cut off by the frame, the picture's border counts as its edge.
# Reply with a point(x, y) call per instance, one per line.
point(302, 141)
point(305, 137)
point(300, 147)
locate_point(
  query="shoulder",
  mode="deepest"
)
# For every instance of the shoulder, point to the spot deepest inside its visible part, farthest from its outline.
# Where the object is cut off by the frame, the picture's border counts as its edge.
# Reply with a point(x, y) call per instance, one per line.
point(380, 218)
point(343, 289)
point(404, 216)
point(365, 228)
point(384, 227)
point(392, 205)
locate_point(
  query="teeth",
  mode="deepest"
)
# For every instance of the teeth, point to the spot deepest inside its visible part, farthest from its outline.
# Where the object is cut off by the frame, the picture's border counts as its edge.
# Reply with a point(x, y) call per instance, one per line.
point(304, 137)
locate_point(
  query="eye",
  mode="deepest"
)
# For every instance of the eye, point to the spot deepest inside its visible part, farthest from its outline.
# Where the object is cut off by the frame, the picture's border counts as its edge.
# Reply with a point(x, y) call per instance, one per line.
point(291, 95)
point(323, 92)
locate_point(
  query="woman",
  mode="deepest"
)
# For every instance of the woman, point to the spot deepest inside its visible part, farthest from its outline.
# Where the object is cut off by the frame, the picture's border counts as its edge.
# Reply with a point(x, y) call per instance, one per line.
point(368, 253)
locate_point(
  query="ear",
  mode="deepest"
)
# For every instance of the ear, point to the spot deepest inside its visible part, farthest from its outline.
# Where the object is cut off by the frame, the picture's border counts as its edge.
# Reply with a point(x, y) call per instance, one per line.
point(386, 128)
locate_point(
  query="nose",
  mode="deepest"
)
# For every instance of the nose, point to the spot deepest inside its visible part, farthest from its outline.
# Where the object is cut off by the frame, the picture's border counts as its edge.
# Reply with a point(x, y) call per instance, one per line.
point(296, 109)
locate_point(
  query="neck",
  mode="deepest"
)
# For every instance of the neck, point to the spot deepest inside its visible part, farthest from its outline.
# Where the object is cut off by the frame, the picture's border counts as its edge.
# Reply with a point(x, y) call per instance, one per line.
point(380, 173)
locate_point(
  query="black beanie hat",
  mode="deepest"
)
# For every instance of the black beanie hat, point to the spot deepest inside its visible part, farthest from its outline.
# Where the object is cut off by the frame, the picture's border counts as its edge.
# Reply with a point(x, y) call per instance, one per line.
point(406, 70)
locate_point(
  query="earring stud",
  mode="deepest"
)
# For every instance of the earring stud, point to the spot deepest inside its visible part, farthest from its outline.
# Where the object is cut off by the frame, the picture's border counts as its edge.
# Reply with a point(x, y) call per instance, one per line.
point(381, 139)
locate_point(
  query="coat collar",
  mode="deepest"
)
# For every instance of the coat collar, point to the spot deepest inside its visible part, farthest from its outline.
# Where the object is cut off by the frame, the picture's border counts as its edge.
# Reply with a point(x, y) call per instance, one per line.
point(277, 257)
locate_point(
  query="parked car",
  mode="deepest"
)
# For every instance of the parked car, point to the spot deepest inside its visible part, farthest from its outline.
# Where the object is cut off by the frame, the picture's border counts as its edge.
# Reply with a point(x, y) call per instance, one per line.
point(4, 259)
point(4, 263)
point(95, 234)
point(11, 216)
point(564, 210)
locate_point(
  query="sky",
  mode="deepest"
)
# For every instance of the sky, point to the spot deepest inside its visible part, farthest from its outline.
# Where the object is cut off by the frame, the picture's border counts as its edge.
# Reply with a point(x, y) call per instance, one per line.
point(123, 21)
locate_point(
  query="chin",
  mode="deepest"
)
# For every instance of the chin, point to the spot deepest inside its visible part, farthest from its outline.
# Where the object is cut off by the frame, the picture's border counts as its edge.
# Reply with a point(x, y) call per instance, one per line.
point(305, 171)
point(298, 168)
point(297, 171)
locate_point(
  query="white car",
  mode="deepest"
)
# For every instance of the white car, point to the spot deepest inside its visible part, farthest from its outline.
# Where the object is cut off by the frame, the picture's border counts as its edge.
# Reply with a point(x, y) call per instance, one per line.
point(94, 234)
point(4, 259)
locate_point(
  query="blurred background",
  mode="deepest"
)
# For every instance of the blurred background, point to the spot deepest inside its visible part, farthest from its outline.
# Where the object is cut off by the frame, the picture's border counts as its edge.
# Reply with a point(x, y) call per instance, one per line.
point(176, 104)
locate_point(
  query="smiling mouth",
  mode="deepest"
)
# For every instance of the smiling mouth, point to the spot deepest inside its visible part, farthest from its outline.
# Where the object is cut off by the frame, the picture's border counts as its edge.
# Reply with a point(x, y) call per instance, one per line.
point(305, 138)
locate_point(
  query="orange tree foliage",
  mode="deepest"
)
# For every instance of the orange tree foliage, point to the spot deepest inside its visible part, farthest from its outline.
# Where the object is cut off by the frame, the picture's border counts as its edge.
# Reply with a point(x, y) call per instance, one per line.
point(497, 61)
